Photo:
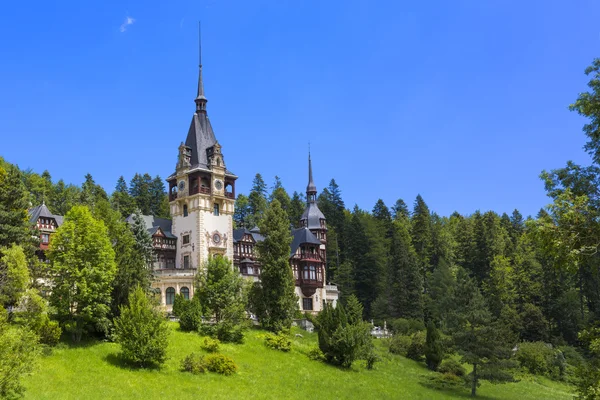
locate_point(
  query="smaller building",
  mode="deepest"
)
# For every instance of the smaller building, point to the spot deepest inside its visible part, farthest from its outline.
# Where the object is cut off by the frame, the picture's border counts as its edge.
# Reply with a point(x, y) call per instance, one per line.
point(46, 223)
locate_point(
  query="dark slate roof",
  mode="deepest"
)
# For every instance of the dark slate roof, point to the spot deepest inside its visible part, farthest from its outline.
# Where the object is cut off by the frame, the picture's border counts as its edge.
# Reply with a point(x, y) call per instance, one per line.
point(302, 235)
point(43, 212)
point(153, 223)
point(311, 187)
point(238, 234)
point(312, 216)
point(200, 137)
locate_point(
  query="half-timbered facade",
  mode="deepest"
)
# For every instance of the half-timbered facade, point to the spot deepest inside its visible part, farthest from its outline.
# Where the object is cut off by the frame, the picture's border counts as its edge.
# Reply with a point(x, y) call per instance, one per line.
point(46, 224)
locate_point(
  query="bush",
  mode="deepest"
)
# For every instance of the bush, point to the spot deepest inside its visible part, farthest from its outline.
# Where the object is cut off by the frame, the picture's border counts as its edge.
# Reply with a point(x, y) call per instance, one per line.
point(444, 382)
point(50, 333)
point(180, 305)
point(434, 350)
point(452, 367)
point(316, 354)
point(399, 344)
point(416, 350)
point(536, 357)
point(279, 341)
point(403, 326)
point(142, 331)
point(194, 363)
point(190, 319)
point(211, 345)
point(220, 364)
point(225, 331)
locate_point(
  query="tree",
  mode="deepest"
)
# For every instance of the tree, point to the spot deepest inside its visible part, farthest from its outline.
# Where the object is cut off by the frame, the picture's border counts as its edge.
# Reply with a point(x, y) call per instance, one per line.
point(139, 189)
point(159, 203)
point(91, 192)
point(242, 214)
point(274, 299)
point(480, 340)
point(142, 331)
point(220, 290)
point(421, 235)
point(14, 222)
point(400, 210)
point(14, 275)
point(280, 194)
point(18, 353)
point(133, 253)
point(258, 199)
point(297, 205)
point(434, 350)
point(83, 267)
point(121, 200)
point(63, 197)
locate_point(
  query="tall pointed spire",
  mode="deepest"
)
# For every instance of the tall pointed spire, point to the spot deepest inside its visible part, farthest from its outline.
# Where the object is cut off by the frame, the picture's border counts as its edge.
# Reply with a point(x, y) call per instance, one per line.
point(311, 189)
point(200, 98)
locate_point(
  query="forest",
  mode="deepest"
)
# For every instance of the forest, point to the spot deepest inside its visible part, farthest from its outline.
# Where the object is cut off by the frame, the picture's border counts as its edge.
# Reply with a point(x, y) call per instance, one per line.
point(481, 283)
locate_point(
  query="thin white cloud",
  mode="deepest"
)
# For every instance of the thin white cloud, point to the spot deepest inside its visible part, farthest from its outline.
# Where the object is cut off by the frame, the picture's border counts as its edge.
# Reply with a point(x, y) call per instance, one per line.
point(124, 25)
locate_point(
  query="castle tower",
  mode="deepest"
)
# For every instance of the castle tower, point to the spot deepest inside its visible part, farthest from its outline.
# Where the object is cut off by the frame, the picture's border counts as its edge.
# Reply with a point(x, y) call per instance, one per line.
point(201, 198)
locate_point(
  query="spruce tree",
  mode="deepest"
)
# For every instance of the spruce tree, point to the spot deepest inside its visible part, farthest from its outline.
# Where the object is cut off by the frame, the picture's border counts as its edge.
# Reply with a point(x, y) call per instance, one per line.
point(274, 299)
point(143, 240)
point(434, 350)
point(421, 235)
point(242, 215)
point(139, 189)
point(400, 210)
point(91, 192)
point(159, 203)
point(258, 200)
point(121, 200)
point(280, 194)
point(297, 205)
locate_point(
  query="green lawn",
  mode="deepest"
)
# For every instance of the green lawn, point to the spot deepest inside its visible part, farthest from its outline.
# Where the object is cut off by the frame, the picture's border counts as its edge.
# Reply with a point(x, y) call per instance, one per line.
point(93, 371)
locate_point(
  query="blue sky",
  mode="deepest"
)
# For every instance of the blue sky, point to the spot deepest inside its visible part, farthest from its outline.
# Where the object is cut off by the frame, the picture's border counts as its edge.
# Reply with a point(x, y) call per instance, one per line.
point(464, 102)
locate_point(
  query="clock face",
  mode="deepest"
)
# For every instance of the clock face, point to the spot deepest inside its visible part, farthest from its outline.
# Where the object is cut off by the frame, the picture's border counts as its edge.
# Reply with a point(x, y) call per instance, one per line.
point(218, 184)
point(181, 185)
point(216, 238)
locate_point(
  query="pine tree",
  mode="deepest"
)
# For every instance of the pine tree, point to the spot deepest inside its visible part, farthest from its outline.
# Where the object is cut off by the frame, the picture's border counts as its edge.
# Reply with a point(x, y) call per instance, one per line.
point(480, 340)
point(143, 240)
point(242, 215)
point(121, 200)
point(14, 222)
point(142, 331)
point(434, 350)
point(258, 199)
point(63, 197)
point(91, 192)
point(297, 205)
point(83, 268)
point(405, 280)
point(400, 210)
point(280, 194)
point(421, 235)
point(159, 205)
point(139, 189)
point(274, 300)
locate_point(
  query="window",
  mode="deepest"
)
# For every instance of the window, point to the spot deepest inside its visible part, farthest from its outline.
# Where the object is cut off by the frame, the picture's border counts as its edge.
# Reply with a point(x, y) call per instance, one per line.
point(45, 238)
point(313, 272)
point(170, 296)
point(185, 292)
point(185, 211)
point(307, 303)
point(216, 209)
point(186, 239)
point(186, 262)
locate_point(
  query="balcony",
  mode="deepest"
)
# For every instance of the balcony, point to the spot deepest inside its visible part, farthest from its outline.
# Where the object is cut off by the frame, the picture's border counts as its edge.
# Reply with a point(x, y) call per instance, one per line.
point(230, 195)
point(175, 272)
point(310, 256)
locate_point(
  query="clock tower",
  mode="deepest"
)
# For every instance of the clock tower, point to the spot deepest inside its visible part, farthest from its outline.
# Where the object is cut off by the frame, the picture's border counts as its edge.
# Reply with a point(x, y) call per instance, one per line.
point(201, 197)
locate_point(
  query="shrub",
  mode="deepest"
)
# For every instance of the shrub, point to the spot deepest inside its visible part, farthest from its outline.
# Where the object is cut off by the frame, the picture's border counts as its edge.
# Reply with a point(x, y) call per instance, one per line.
point(194, 363)
point(142, 331)
point(225, 331)
point(444, 382)
point(452, 367)
point(316, 354)
point(399, 344)
point(190, 319)
point(416, 349)
point(180, 305)
point(211, 345)
point(279, 341)
point(536, 357)
point(403, 326)
point(220, 364)
point(50, 333)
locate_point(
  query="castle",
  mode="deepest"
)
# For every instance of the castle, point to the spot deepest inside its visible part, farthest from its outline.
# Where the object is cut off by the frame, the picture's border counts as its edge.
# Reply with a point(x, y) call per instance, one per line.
point(202, 198)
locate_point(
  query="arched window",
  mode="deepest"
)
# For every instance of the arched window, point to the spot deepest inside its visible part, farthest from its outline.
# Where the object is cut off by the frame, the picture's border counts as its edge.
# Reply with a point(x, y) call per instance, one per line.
point(185, 211)
point(170, 296)
point(185, 292)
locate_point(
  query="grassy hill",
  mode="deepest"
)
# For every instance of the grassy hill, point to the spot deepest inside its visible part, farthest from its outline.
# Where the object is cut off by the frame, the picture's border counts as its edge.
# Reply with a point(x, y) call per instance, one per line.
point(93, 371)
